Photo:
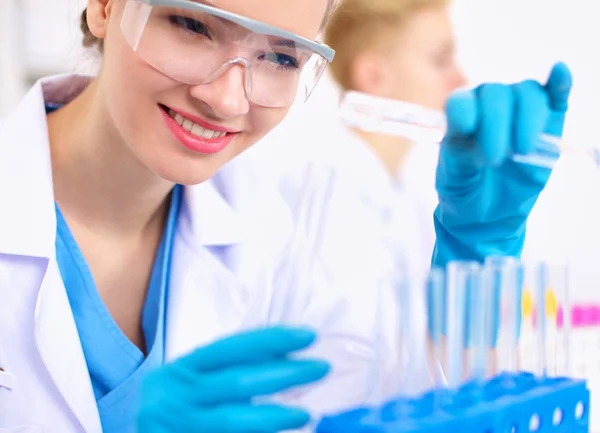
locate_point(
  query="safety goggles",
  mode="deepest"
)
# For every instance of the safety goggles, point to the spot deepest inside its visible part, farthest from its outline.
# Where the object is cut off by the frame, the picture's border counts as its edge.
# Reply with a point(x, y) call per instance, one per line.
point(195, 44)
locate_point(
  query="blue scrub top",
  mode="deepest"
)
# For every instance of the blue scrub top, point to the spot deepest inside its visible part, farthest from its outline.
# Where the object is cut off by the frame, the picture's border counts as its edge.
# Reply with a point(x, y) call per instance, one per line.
point(115, 364)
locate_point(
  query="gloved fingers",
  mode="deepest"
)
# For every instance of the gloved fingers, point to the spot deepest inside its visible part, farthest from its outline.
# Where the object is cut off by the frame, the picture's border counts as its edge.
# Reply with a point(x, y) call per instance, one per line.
point(559, 86)
point(232, 418)
point(253, 346)
point(496, 110)
point(245, 382)
point(461, 114)
point(246, 418)
point(457, 155)
point(531, 115)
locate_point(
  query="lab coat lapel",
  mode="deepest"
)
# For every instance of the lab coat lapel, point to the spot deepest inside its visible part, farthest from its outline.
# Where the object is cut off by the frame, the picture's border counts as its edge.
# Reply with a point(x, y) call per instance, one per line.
point(206, 298)
point(228, 229)
point(28, 228)
point(206, 301)
point(60, 348)
point(25, 186)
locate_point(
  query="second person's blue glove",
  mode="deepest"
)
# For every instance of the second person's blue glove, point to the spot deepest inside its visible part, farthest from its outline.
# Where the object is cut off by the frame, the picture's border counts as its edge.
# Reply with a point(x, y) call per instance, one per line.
point(212, 389)
point(485, 197)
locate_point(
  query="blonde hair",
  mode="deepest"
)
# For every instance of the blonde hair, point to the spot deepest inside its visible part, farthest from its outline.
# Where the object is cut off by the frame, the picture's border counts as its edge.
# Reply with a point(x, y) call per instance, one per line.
point(332, 5)
point(358, 25)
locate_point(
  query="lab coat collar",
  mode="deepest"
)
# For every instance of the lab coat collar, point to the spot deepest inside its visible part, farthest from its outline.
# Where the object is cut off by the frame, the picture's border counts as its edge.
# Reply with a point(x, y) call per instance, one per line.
point(237, 205)
point(208, 219)
point(415, 178)
point(28, 227)
point(375, 184)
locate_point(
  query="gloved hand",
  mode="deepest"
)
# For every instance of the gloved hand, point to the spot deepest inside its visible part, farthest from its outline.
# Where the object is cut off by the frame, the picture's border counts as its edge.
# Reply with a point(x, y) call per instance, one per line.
point(211, 390)
point(484, 197)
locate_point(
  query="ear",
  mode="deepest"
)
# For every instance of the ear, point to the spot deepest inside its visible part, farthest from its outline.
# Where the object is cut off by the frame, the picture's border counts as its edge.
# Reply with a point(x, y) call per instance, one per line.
point(368, 73)
point(98, 12)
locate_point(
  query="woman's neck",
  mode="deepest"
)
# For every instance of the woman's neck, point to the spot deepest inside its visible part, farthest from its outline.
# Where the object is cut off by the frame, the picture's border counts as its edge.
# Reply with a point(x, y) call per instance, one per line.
point(392, 151)
point(97, 179)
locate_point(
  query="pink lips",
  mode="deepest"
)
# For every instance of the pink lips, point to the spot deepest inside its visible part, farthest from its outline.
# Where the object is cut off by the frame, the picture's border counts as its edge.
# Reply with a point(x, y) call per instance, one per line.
point(193, 142)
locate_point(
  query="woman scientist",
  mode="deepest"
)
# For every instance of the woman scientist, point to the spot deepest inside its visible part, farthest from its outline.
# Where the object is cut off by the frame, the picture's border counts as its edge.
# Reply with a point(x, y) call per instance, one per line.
point(121, 250)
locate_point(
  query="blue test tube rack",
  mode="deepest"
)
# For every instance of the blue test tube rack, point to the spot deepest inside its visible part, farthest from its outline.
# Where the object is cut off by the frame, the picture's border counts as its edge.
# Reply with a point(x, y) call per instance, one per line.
point(510, 402)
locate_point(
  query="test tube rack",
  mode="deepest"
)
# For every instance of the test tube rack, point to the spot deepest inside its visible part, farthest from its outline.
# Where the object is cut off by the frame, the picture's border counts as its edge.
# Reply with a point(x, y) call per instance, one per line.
point(510, 402)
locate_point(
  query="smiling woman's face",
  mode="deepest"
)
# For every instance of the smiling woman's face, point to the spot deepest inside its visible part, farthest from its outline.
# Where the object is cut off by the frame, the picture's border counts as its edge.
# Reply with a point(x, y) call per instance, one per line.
point(185, 133)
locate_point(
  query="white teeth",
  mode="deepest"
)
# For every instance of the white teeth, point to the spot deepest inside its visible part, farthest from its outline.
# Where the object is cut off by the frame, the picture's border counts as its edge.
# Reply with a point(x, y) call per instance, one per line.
point(187, 124)
point(194, 128)
point(197, 130)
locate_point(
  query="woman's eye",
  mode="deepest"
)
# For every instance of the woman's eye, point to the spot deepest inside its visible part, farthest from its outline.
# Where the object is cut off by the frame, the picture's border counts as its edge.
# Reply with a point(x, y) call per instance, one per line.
point(281, 60)
point(189, 24)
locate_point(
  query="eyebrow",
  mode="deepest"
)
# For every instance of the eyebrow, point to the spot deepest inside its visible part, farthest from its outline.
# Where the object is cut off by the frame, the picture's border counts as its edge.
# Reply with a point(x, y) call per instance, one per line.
point(282, 42)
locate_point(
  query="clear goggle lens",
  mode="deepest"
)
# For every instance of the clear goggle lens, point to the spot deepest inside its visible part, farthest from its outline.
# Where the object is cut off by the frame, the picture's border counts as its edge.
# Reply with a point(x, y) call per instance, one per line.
point(195, 47)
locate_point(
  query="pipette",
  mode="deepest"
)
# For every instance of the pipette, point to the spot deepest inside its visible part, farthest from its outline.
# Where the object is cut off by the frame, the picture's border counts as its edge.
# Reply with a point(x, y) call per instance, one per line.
point(422, 125)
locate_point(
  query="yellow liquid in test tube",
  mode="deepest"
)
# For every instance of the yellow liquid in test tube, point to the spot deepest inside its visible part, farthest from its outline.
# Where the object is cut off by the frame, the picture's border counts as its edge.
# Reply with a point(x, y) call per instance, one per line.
point(527, 342)
point(551, 333)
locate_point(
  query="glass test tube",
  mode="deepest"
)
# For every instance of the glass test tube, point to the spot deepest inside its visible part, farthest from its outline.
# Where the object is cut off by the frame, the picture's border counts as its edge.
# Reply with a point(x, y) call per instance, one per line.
point(541, 317)
point(302, 266)
point(528, 355)
point(460, 276)
point(558, 320)
point(379, 376)
point(435, 296)
point(504, 278)
point(413, 377)
point(478, 307)
point(533, 346)
point(394, 302)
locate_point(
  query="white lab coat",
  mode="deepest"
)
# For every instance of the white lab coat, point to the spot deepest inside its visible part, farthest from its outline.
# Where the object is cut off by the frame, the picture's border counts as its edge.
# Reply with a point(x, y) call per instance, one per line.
point(45, 386)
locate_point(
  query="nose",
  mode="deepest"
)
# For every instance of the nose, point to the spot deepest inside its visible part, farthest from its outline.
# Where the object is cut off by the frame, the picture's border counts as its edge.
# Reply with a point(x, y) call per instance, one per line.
point(460, 80)
point(225, 95)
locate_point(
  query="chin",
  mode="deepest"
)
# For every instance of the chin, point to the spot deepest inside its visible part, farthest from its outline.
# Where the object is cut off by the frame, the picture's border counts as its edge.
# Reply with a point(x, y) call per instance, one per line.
point(185, 175)
point(168, 160)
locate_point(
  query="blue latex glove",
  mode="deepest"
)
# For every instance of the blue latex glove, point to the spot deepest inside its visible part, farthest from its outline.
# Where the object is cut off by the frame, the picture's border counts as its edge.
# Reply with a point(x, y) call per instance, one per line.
point(484, 197)
point(211, 390)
